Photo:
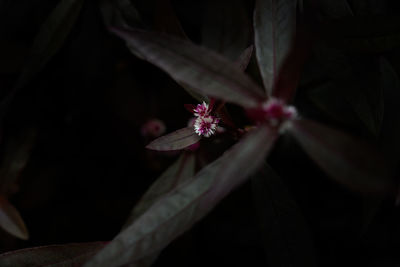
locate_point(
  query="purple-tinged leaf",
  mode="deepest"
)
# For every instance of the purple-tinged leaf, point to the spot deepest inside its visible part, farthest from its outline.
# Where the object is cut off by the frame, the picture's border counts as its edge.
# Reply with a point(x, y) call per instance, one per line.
point(11, 221)
point(243, 61)
point(353, 163)
point(284, 231)
point(178, 173)
point(178, 210)
point(203, 70)
point(176, 140)
point(226, 27)
point(289, 75)
point(51, 256)
point(274, 29)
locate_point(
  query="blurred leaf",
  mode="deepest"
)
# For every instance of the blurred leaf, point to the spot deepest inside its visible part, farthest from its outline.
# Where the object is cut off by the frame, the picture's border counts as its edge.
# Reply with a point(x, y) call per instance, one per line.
point(243, 61)
point(120, 13)
point(11, 221)
point(286, 238)
point(292, 66)
point(51, 256)
point(274, 28)
point(50, 38)
point(176, 140)
point(226, 27)
point(352, 162)
point(177, 211)
point(16, 156)
point(178, 173)
point(203, 70)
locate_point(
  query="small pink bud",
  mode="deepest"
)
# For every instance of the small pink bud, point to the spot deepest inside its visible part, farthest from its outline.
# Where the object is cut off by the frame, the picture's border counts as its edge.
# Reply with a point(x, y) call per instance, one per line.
point(153, 128)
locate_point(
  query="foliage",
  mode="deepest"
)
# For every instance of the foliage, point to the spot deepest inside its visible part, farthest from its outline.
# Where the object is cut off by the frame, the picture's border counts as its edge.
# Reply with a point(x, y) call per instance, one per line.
point(281, 94)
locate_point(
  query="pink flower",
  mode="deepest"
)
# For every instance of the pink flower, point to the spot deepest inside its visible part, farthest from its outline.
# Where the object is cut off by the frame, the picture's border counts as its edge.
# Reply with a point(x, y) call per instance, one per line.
point(206, 126)
point(201, 110)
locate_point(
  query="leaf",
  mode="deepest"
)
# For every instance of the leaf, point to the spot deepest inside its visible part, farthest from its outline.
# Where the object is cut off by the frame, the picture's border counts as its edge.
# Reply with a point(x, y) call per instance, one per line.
point(177, 211)
point(17, 153)
point(351, 162)
point(176, 140)
point(51, 256)
point(284, 230)
point(274, 29)
point(50, 38)
point(226, 27)
point(120, 13)
point(243, 61)
point(176, 174)
point(204, 71)
point(11, 221)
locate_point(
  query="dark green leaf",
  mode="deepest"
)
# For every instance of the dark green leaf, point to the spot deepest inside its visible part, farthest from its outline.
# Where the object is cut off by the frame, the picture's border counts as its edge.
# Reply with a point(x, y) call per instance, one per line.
point(51, 256)
point(285, 234)
point(178, 210)
point(352, 162)
point(176, 140)
point(203, 70)
point(274, 28)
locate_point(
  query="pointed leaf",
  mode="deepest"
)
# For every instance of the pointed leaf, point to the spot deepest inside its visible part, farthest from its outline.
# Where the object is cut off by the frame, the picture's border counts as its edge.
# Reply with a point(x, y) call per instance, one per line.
point(203, 70)
point(243, 61)
point(274, 29)
point(174, 141)
point(226, 27)
point(50, 38)
point(284, 230)
point(176, 174)
point(180, 209)
point(17, 153)
point(51, 256)
point(348, 160)
point(11, 221)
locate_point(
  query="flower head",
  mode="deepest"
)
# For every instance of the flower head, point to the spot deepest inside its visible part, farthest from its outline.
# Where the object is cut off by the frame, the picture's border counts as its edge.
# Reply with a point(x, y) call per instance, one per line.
point(206, 125)
point(201, 110)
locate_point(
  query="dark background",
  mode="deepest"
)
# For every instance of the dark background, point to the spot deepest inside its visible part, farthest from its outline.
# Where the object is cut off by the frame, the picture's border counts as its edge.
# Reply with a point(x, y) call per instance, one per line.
point(88, 165)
